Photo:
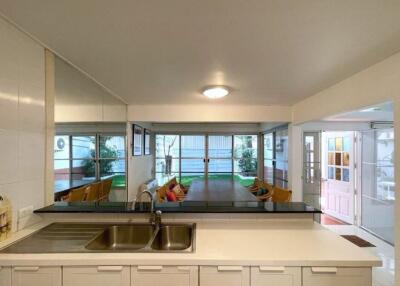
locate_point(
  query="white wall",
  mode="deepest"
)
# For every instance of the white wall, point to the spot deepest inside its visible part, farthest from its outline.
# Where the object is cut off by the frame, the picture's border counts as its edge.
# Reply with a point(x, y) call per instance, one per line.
point(22, 119)
point(209, 113)
point(140, 168)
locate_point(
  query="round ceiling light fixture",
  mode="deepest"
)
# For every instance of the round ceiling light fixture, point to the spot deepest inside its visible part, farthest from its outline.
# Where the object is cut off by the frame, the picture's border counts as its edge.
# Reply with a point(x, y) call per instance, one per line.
point(216, 91)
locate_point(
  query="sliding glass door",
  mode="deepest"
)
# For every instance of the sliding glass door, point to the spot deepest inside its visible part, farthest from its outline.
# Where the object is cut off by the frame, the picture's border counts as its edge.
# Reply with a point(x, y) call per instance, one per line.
point(189, 157)
point(377, 183)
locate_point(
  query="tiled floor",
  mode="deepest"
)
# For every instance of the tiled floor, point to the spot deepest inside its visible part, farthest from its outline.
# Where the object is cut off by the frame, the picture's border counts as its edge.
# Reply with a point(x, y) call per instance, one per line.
point(329, 220)
point(382, 276)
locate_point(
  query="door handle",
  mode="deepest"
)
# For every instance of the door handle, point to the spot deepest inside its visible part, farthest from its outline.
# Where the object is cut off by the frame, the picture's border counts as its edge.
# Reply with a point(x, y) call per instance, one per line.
point(26, 268)
point(272, 269)
point(109, 268)
point(230, 268)
point(324, 270)
point(150, 268)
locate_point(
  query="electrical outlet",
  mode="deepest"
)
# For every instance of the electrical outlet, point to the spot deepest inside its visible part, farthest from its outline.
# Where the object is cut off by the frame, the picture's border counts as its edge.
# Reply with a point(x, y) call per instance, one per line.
point(24, 212)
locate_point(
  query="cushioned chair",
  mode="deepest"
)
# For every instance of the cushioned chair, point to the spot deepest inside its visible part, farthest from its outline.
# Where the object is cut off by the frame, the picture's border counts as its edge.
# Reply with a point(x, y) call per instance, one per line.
point(281, 195)
point(267, 195)
point(105, 189)
point(93, 192)
point(254, 188)
point(76, 195)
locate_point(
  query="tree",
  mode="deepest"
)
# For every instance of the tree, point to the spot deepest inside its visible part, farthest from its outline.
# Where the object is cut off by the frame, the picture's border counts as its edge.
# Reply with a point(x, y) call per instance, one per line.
point(247, 164)
point(106, 166)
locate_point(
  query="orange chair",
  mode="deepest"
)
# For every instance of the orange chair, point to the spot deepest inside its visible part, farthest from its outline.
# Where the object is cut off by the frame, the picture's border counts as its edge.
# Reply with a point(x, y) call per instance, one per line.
point(281, 195)
point(161, 194)
point(93, 192)
point(105, 189)
point(254, 188)
point(269, 191)
point(76, 195)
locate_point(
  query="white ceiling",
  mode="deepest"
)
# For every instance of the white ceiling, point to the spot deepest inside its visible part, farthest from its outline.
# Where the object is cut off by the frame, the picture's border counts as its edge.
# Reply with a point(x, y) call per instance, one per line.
point(379, 112)
point(164, 52)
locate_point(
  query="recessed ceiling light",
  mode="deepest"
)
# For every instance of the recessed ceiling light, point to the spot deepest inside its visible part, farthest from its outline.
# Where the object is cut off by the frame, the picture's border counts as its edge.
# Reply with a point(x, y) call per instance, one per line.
point(214, 92)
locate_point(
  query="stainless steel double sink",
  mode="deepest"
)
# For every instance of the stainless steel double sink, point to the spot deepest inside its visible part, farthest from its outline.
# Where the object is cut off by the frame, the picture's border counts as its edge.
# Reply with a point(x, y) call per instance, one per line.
point(145, 238)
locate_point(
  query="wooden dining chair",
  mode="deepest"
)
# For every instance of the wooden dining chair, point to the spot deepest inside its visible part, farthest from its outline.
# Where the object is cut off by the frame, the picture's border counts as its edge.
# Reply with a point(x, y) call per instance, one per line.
point(93, 192)
point(280, 195)
point(105, 189)
point(253, 188)
point(161, 194)
point(76, 195)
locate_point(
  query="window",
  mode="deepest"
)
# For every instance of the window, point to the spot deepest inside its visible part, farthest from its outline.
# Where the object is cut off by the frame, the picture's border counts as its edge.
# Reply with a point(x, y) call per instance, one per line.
point(190, 157)
point(88, 158)
point(339, 158)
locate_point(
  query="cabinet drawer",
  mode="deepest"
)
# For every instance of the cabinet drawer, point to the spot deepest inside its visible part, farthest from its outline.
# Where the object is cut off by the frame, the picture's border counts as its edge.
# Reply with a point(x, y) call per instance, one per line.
point(96, 276)
point(276, 276)
point(149, 275)
point(224, 276)
point(334, 276)
point(36, 276)
point(5, 276)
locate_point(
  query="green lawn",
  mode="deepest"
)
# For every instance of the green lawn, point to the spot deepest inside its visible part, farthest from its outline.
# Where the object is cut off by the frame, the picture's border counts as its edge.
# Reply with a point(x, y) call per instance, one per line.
point(118, 182)
point(187, 180)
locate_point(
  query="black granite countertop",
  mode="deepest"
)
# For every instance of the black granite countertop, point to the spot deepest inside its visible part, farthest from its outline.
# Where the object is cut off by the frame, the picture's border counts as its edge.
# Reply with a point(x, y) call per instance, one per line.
point(179, 207)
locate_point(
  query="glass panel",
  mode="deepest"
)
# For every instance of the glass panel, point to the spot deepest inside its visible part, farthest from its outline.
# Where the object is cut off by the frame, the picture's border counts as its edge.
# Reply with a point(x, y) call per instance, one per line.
point(245, 146)
point(339, 143)
point(112, 146)
point(83, 147)
point(281, 145)
point(346, 175)
point(192, 165)
point(61, 170)
point(84, 169)
point(167, 145)
point(193, 146)
point(61, 147)
point(346, 159)
point(331, 144)
point(281, 170)
point(220, 146)
point(310, 143)
point(378, 185)
point(220, 166)
point(268, 146)
point(331, 158)
point(187, 178)
point(346, 144)
point(167, 166)
point(109, 167)
point(331, 173)
point(338, 174)
point(245, 167)
point(338, 159)
point(269, 171)
point(281, 184)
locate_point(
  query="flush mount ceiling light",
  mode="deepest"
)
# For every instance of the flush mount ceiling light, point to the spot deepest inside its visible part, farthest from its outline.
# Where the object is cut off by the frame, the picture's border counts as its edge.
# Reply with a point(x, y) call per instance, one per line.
point(215, 92)
point(371, 109)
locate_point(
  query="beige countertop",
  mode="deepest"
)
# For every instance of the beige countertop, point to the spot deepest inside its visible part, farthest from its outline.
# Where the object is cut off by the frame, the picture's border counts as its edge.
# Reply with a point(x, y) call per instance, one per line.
point(273, 242)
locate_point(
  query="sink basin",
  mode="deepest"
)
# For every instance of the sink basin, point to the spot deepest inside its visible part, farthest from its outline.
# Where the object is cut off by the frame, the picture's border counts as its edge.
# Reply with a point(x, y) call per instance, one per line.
point(122, 237)
point(174, 238)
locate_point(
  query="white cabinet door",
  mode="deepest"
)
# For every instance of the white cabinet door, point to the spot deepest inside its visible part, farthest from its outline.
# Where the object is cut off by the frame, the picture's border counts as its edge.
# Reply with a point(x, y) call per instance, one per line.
point(275, 276)
point(96, 276)
point(36, 276)
point(332, 276)
point(164, 276)
point(224, 276)
point(5, 276)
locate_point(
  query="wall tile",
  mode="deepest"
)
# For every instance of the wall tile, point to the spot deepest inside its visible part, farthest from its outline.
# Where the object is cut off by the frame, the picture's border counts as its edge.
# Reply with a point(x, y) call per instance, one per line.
point(31, 149)
point(8, 104)
point(8, 156)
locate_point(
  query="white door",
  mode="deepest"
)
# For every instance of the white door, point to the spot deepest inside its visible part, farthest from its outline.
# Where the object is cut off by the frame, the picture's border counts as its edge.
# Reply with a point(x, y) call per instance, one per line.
point(224, 276)
point(332, 276)
point(36, 276)
point(311, 169)
point(337, 188)
point(96, 276)
point(275, 276)
point(164, 276)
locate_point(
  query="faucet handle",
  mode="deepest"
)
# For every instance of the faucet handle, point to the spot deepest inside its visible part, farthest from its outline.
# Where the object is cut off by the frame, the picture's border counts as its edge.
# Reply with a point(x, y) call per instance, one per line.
point(158, 212)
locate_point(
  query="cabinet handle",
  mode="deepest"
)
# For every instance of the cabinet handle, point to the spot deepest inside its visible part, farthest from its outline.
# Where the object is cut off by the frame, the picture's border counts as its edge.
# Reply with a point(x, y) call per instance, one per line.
point(230, 268)
point(324, 270)
point(150, 268)
point(272, 269)
point(23, 268)
point(110, 268)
